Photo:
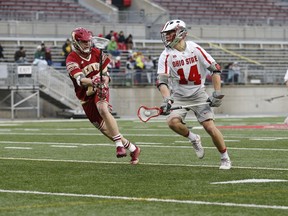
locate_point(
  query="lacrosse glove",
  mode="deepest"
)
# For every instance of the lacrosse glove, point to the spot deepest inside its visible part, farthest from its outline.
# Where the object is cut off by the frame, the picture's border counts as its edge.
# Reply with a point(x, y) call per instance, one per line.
point(102, 89)
point(215, 100)
point(166, 105)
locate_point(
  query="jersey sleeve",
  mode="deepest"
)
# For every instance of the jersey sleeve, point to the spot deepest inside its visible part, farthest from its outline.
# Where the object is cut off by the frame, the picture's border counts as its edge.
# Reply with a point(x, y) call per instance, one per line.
point(205, 58)
point(72, 66)
point(163, 65)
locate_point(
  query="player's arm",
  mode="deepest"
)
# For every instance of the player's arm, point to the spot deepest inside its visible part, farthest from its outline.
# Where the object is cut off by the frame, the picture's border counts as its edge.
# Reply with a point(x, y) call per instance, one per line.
point(216, 98)
point(82, 80)
point(162, 85)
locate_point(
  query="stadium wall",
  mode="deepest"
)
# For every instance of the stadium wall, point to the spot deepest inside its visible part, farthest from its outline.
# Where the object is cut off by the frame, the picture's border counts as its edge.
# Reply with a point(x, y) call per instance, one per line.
point(238, 100)
point(141, 31)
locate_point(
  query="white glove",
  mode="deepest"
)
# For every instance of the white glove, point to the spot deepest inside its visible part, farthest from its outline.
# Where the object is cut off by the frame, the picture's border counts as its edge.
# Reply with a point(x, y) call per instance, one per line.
point(215, 100)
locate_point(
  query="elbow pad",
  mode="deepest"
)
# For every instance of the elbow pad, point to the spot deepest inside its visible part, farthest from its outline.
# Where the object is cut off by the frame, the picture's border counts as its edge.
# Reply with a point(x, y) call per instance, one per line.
point(215, 68)
point(162, 79)
point(78, 79)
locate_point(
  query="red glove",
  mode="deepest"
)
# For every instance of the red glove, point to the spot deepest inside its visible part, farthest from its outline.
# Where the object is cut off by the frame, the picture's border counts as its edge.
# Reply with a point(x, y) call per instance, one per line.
point(102, 91)
point(101, 88)
point(96, 81)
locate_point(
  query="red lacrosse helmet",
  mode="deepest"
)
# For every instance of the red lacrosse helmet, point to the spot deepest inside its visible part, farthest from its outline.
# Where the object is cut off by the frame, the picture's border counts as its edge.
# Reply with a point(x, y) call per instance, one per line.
point(81, 40)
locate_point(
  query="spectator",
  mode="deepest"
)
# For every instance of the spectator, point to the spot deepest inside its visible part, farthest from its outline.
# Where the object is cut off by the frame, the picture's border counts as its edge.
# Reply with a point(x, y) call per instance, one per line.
point(117, 64)
point(48, 56)
point(109, 35)
point(114, 65)
point(112, 47)
point(233, 73)
point(1, 53)
point(149, 65)
point(130, 64)
point(20, 56)
point(139, 67)
point(129, 42)
point(43, 47)
point(66, 49)
point(121, 41)
point(39, 56)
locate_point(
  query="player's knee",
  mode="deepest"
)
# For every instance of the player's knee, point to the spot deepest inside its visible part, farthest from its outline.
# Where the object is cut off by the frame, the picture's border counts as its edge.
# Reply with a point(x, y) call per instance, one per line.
point(173, 122)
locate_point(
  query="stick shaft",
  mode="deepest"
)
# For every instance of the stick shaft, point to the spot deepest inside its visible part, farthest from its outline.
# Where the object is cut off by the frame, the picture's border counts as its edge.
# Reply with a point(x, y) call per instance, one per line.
point(100, 66)
point(188, 106)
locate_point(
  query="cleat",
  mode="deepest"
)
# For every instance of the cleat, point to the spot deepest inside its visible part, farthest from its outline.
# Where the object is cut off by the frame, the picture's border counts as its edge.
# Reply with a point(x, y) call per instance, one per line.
point(198, 147)
point(225, 164)
point(120, 152)
point(135, 156)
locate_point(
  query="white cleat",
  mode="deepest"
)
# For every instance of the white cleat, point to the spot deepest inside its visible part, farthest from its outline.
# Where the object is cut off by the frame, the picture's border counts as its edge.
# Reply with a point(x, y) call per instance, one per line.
point(198, 147)
point(225, 164)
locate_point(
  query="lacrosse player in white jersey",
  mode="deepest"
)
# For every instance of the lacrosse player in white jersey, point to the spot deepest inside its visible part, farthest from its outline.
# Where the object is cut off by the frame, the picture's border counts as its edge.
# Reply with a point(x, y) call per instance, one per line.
point(182, 70)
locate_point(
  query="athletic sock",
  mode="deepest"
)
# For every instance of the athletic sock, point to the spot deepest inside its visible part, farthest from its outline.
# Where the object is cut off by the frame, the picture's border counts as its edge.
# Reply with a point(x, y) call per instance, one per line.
point(224, 154)
point(130, 146)
point(117, 140)
point(191, 136)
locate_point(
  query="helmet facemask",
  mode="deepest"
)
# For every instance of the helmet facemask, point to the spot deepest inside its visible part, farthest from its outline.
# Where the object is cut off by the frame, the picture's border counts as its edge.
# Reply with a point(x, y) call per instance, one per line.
point(81, 40)
point(83, 46)
point(173, 32)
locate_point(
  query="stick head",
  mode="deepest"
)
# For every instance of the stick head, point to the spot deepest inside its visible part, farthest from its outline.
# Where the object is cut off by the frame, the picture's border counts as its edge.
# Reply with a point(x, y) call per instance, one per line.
point(144, 113)
point(100, 42)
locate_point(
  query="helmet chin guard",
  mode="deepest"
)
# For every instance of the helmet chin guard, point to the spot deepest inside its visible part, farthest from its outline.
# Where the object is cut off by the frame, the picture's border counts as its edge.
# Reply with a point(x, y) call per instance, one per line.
point(172, 32)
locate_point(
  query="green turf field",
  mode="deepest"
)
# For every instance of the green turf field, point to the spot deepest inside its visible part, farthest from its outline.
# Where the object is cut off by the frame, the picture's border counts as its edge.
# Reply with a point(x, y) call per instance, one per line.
point(69, 168)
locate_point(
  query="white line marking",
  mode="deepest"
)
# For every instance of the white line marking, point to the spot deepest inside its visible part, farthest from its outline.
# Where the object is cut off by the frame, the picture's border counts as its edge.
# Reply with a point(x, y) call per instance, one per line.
point(62, 146)
point(14, 147)
point(154, 145)
point(250, 181)
point(147, 164)
point(264, 139)
point(147, 199)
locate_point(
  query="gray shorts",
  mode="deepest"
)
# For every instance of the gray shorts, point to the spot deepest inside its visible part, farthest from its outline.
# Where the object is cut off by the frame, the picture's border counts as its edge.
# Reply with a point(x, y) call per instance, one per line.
point(202, 112)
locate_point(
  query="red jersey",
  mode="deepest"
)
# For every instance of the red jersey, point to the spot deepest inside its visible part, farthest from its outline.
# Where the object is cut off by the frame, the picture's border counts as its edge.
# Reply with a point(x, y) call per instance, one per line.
point(89, 66)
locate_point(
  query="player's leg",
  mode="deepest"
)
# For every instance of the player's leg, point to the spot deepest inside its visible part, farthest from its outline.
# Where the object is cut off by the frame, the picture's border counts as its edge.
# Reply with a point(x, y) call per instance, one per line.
point(111, 129)
point(218, 141)
point(176, 123)
point(96, 119)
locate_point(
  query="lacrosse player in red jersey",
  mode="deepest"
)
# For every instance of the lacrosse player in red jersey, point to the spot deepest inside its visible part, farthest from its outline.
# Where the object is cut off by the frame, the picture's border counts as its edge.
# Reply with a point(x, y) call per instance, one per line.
point(182, 69)
point(90, 78)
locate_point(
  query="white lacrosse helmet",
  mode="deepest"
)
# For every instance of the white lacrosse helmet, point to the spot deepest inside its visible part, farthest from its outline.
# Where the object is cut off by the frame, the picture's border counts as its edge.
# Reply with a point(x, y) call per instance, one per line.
point(179, 27)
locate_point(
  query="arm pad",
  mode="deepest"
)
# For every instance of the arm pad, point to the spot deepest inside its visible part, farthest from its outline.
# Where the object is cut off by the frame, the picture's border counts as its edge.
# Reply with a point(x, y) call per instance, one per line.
point(214, 68)
point(162, 79)
point(78, 78)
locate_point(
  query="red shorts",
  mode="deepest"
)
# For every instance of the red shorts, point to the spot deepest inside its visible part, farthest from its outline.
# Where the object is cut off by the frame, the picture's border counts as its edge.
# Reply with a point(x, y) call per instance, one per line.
point(92, 113)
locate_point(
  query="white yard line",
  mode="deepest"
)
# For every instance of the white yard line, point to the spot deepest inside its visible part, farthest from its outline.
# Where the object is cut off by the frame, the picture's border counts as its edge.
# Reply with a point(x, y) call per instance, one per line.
point(146, 164)
point(141, 199)
point(151, 145)
point(15, 147)
point(250, 181)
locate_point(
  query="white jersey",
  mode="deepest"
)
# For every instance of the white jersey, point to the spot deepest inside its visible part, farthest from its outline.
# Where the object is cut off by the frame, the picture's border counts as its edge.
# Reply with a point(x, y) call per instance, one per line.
point(187, 70)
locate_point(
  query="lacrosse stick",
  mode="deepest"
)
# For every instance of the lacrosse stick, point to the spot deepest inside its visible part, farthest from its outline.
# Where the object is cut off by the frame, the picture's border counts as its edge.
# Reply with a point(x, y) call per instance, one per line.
point(99, 43)
point(277, 97)
point(145, 113)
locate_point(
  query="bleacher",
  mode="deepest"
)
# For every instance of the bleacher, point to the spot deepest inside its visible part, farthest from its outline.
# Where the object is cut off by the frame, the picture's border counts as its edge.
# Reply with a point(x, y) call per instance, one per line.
point(265, 61)
point(44, 10)
point(223, 12)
